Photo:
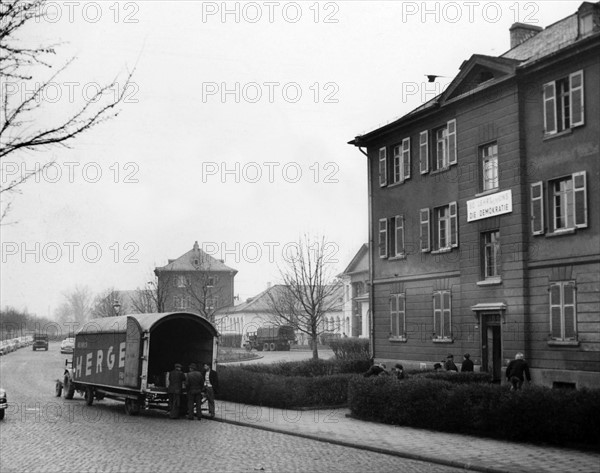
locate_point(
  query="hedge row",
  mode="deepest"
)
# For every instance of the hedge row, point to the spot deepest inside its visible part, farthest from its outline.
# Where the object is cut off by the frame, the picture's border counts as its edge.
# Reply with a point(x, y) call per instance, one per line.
point(350, 348)
point(310, 368)
point(532, 414)
point(242, 385)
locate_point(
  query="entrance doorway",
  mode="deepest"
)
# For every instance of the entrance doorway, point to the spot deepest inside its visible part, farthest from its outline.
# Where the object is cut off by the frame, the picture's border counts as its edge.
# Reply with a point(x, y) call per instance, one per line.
point(491, 346)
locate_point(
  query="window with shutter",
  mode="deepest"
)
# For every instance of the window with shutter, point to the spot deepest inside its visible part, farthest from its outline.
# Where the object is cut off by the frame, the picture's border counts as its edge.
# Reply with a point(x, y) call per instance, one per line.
point(568, 202)
point(563, 311)
point(442, 315)
point(564, 103)
point(398, 316)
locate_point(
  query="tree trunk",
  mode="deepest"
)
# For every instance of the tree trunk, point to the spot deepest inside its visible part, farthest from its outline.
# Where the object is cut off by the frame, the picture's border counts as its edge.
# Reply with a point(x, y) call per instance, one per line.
point(315, 342)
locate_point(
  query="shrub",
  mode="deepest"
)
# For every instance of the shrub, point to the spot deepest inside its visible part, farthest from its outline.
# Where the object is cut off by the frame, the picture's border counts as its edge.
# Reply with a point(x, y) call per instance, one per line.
point(532, 414)
point(237, 384)
point(456, 378)
point(350, 348)
point(309, 368)
point(231, 340)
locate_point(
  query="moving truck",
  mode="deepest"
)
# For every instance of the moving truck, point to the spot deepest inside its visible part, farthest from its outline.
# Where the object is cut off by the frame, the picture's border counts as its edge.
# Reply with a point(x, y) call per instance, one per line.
point(271, 338)
point(128, 357)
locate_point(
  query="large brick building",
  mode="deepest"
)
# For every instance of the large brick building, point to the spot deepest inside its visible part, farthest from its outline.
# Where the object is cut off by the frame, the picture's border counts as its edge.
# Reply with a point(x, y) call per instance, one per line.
point(195, 281)
point(484, 212)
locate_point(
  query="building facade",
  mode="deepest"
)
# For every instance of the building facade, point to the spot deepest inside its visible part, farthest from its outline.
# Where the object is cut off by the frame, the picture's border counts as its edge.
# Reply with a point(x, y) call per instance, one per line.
point(355, 279)
point(484, 231)
point(258, 312)
point(196, 281)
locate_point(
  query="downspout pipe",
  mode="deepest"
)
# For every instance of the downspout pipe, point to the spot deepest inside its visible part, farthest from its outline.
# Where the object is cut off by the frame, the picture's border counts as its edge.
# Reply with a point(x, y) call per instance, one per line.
point(360, 145)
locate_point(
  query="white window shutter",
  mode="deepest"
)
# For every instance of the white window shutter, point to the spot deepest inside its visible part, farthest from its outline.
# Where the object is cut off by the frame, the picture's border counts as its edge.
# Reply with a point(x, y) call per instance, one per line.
point(453, 210)
point(577, 98)
point(580, 198)
point(425, 230)
point(424, 152)
point(537, 208)
point(382, 167)
point(406, 158)
point(452, 159)
point(550, 108)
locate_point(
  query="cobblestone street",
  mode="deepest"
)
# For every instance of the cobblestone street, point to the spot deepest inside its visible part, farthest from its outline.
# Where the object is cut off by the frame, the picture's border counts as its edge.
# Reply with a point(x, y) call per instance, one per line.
point(42, 433)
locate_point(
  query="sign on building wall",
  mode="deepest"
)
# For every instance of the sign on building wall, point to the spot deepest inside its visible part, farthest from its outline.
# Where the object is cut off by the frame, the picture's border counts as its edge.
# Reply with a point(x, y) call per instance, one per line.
point(489, 206)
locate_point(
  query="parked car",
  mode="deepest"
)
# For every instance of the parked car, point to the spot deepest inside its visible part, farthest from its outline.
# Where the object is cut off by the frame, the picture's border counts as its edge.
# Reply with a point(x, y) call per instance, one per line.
point(67, 345)
point(3, 403)
point(3, 348)
point(40, 341)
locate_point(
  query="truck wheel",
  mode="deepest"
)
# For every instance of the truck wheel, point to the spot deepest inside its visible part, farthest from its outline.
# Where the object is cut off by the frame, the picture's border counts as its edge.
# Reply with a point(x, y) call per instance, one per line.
point(272, 347)
point(132, 407)
point(58, 389)
point(266, 347)
point(68, 389)
point(89, 395)
point(248, 347)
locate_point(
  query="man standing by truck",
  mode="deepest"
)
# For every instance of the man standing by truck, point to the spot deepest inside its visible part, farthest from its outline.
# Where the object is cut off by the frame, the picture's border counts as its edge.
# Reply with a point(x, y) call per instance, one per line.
point(194, 383)
point(211, 384)
point(176, 379)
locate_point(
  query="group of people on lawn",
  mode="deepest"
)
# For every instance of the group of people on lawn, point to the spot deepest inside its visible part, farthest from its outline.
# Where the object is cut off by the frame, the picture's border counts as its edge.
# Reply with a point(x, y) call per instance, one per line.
point(516, 371)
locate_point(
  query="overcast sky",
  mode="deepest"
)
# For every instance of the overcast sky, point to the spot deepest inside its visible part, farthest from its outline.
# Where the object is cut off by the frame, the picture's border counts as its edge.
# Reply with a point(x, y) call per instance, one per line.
point(233, 133)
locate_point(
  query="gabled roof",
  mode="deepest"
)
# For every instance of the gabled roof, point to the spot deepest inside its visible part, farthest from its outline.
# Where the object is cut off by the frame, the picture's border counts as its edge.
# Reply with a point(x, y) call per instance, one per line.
point(360, 262)
point(195, 260)
point(479, 72)
point(546, 42)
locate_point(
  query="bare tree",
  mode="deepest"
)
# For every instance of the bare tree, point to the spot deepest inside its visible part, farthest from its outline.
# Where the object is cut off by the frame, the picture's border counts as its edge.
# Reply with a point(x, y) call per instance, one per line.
point(152, 297)
point(76, 306)
point(308, 290)
point(105, 304)
point(20, 126)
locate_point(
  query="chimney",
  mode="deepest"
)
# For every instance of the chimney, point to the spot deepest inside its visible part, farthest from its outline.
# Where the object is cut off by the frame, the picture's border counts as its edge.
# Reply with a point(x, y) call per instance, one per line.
point(520, 32)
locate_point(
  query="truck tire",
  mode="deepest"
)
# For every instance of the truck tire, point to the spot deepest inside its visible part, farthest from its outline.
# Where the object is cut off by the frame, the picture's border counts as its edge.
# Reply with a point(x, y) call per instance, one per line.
point(273, 346)
point(132, 407)
point(58, 388)
point(89, 395)
point(68, 389)
point(266, 347)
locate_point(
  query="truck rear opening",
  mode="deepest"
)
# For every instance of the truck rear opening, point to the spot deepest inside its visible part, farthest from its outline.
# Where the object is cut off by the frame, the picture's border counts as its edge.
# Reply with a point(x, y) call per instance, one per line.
point(128, 357)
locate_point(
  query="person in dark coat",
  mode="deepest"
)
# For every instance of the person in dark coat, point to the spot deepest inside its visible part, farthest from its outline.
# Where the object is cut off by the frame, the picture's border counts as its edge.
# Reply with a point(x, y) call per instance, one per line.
point(211, 386)
point(467, 364)
point(376, 370)
point(516, 371)
point(398, 371)
point(449, 364)
point(194, 382)
point(175, 389)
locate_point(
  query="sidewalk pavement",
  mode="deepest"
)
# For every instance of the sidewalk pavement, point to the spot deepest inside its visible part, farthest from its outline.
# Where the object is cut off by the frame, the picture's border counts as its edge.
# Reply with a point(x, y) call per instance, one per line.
point(462, 451)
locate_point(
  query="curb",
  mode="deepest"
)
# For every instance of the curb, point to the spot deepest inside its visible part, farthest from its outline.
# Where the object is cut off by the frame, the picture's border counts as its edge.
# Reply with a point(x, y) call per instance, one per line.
point(408, 455)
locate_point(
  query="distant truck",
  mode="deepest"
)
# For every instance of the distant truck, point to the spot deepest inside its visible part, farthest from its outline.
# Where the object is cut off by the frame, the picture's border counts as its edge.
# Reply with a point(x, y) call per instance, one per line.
point(271, 338)
point(40, 342)
point(128, 357)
